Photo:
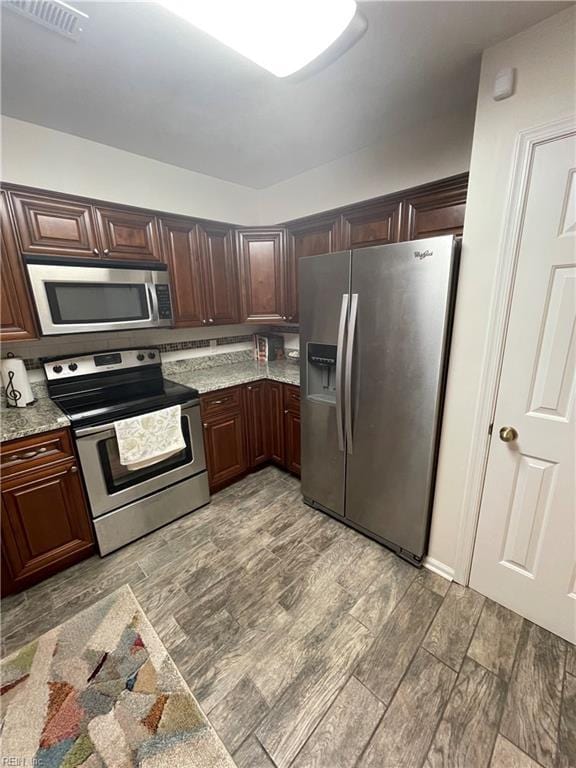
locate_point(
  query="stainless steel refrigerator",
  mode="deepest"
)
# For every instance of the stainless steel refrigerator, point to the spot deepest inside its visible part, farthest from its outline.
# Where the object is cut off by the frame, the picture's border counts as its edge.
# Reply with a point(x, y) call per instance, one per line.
point(375, 329)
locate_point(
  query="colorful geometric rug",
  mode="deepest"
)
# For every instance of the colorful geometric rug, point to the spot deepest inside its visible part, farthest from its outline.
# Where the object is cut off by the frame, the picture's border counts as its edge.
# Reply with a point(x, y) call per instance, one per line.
point(102, 690)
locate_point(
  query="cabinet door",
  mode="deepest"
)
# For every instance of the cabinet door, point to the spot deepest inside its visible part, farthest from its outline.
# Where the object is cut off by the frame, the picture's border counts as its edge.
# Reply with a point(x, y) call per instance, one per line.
point(16, 318)
point(128, 235)
point(257, 423)
point(276, 405)
point(320, 234)
point(220, 276)
point(292, 432)
point(436, 212)
point(224, 445)
point(262, 263)
point(374, 224)
point(45, 524)
point(54, 227)
point(182, 254)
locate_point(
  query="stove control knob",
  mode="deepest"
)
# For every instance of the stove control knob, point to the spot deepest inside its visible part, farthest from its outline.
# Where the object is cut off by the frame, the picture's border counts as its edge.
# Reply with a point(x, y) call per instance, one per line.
point(152, 355)
point(73, 367)
point(140, 356)
point(57, 368)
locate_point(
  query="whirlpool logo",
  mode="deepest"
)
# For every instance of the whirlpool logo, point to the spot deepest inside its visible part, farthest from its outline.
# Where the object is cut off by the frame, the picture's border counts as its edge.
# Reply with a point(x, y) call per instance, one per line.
point(422, 254)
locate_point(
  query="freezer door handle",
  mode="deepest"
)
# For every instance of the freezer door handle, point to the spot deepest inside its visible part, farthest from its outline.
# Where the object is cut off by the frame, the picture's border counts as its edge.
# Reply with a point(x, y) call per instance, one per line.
point(339, 357)
point(348, 371)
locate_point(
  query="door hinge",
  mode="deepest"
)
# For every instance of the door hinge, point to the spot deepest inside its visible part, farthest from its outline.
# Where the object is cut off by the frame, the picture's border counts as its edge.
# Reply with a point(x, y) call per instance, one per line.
point(490, 428)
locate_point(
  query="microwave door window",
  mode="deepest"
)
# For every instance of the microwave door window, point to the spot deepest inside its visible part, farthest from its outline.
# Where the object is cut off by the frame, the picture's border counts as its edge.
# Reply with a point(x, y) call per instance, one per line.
point(75, 303)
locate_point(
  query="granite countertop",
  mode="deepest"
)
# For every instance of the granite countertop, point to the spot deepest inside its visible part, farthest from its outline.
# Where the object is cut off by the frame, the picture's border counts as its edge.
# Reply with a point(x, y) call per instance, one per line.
point(234, 374)
point(44, 415)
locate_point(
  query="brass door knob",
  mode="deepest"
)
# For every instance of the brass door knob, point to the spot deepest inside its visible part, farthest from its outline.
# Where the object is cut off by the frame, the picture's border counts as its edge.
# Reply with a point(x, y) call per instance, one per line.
point(508, 434)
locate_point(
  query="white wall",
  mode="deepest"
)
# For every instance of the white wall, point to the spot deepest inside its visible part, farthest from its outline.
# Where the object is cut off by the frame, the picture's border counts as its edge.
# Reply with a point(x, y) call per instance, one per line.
point(41, 157)
point(431, 151)
point(545, 60)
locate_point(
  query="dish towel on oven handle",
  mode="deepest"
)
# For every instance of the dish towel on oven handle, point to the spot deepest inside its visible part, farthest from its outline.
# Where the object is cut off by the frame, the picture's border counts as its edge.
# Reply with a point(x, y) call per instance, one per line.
point(149, 438)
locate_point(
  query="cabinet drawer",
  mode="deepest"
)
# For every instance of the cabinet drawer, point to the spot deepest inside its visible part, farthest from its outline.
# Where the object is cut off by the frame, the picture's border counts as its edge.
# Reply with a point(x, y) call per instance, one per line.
point(220, 401)
point(292, 398)
point(36, 451)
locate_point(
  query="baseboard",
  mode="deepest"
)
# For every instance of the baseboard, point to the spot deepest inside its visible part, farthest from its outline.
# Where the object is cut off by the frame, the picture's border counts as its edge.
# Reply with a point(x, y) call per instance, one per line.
point(440, 568)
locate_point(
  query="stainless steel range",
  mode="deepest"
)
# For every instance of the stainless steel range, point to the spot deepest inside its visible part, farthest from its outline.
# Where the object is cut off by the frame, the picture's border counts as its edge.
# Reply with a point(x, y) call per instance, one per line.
point(96, 390)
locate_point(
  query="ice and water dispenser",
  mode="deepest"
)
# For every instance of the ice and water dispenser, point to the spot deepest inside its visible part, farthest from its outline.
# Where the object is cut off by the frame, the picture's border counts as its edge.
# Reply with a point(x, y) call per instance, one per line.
point(321, 362)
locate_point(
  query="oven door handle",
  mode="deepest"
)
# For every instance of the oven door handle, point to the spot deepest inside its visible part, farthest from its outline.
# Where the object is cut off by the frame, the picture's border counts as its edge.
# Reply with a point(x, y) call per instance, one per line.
point(100, 428)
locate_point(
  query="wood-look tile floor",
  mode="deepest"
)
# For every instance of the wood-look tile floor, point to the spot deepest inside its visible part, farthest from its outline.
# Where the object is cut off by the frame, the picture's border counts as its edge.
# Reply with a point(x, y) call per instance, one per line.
point(307, 644)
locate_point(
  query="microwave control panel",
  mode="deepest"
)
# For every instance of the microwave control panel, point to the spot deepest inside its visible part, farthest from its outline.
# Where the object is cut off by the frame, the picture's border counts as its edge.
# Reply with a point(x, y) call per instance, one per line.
point(164, 303)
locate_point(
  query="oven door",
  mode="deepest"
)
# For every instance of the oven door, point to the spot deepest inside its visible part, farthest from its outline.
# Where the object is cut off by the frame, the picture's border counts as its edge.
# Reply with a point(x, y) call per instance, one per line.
point(72, 298)
point(110, 485)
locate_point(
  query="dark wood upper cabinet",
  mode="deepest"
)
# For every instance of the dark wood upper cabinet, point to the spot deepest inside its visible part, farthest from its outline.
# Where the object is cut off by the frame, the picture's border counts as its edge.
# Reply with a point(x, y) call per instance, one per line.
point(371, 224)
point(127, 234)
point(182, 254)
point(16, 316)
point(262, 262)
point(219, 274)
point(54, 227)
point(257, 423)
point(439, 210)
point(308, 237)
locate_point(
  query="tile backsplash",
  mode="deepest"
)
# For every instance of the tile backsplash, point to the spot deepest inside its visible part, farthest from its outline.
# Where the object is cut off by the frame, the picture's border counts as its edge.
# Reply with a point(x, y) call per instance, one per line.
point(174, 344)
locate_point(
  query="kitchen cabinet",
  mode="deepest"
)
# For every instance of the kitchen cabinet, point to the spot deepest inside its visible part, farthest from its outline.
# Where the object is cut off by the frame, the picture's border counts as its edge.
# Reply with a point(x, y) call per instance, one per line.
point(16, 316)
point(224, 436)
point(128, 235)
point(219, 274)
point(258, 417)
point(51, 226)
point(262, 263)
point(44, 517)
point(292, 428)
point(437, 209)
point(375, 223)
point(308, 237)
point(182, 255)
point(276, 406)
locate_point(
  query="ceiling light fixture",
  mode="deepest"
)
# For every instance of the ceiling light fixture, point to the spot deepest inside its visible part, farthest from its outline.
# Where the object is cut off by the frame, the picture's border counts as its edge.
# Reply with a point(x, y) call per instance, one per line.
point(283, 36)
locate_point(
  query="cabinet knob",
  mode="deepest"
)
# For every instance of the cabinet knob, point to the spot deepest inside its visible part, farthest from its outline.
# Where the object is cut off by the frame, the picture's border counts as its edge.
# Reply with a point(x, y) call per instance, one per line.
point(106, 251)
point(285, 410)
point(211, 320)
point(205, 426)
point(250, 389)
point(74, 469)
point(95, 251)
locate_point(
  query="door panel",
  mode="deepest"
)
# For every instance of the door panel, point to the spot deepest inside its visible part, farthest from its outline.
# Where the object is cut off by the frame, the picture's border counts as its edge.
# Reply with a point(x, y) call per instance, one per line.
point(292, 430)
point(261, 256)
point(322, 458)
point(182, 254)
point(129, 234)
point(398, 364)
point(257, 423)
point(374, 224)
point(435, 213)
point(225, 449)
point(220, 275)
point(525, 552)
point(55, 227)
point(16, 317)
point(276, 404)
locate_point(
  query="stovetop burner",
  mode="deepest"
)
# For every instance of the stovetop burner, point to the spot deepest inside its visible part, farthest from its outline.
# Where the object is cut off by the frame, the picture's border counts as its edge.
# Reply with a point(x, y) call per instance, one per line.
point(109, 386)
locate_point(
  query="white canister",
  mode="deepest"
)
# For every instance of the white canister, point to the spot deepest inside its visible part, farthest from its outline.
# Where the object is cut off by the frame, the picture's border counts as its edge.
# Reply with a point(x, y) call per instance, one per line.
point(15, 381)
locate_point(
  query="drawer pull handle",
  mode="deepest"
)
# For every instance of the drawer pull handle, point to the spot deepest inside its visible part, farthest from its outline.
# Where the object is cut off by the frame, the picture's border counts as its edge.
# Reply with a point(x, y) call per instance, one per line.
point(27, 455)
point(219, 402)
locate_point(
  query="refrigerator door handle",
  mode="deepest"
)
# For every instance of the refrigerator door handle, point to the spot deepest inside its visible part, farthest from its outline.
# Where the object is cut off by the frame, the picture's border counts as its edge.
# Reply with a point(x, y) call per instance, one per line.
point(339, 356)
point(348, 371)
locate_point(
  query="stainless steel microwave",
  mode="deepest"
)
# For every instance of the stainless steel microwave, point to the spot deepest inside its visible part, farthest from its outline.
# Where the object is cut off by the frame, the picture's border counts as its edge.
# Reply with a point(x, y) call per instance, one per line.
point(99, 296)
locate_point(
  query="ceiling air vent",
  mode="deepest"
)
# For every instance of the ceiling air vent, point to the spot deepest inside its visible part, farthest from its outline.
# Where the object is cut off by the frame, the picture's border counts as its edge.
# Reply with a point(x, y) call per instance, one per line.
point(53, 14)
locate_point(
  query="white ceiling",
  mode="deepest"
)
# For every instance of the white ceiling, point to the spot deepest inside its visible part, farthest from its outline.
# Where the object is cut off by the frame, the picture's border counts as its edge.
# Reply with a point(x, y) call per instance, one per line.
point(141, 80)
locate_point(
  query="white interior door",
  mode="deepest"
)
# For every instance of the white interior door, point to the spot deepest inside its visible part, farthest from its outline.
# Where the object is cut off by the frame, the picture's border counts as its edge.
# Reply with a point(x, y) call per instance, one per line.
point(525, 550)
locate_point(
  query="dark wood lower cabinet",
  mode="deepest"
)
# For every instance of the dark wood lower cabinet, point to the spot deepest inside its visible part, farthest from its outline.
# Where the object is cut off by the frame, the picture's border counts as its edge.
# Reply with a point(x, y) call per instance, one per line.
point(258, 417)
point(45, 523)
point(248, 427)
